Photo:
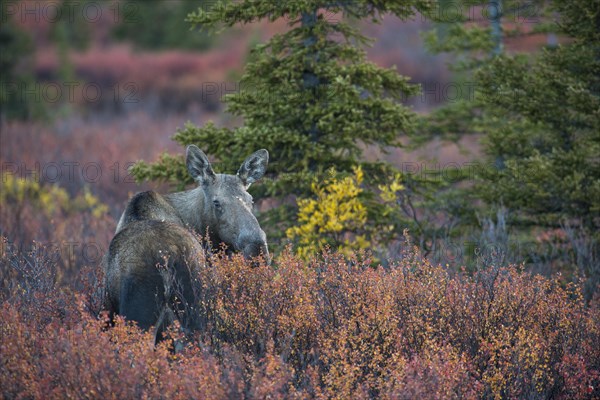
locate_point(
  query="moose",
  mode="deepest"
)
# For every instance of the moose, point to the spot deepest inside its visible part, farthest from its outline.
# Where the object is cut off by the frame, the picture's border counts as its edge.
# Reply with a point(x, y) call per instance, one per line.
point(155, 242)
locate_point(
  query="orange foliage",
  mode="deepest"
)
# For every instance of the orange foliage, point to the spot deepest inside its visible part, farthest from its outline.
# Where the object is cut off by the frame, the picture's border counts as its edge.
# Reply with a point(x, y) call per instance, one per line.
point(330, 328)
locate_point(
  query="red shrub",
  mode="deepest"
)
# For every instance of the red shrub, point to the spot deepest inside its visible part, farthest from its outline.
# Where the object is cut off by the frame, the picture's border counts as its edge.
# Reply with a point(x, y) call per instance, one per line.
point(332, 328)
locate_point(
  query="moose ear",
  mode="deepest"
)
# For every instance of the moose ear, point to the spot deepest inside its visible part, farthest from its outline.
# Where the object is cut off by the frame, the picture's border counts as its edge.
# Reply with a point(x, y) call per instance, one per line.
point(254, 167)
point(198, 165)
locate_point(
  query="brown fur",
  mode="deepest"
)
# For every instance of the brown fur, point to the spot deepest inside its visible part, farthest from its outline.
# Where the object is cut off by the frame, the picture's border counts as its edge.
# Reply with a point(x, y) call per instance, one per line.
point(135, 286)
point(158, 230)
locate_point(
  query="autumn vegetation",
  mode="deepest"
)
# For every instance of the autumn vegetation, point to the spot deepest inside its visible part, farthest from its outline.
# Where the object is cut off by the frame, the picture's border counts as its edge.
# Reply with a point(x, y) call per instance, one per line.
point(386, 282)
point(331, 327)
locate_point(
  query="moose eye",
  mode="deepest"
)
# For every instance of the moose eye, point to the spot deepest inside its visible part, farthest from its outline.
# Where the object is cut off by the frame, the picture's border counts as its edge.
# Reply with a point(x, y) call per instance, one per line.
point(217, 204)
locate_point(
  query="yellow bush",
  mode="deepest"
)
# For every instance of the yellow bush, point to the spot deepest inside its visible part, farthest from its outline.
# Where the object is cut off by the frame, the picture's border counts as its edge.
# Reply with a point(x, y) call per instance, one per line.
point(51, 200)
point(342, 216)
point(389, 193)
point(333, 217)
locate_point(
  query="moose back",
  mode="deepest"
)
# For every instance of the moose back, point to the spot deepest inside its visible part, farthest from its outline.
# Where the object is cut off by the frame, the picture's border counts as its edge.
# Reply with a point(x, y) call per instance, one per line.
point(151, 258)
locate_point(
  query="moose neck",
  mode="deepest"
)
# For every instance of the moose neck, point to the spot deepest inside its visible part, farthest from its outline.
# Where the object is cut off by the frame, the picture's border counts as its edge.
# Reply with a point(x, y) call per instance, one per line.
point(189, 205)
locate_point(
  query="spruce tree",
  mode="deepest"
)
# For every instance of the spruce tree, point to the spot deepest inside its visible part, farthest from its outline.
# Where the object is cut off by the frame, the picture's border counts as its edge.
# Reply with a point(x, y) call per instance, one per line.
point(475, 32)
point(543, 125)
point(441, 208)
point(538, 114)
point(307, 95)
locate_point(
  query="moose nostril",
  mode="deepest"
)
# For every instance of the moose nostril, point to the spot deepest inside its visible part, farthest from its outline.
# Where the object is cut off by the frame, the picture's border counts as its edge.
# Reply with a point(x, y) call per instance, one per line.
point(256, 249)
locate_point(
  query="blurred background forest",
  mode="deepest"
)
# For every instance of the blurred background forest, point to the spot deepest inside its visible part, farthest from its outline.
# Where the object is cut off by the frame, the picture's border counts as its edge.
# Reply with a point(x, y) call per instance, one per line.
point(89, 88)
